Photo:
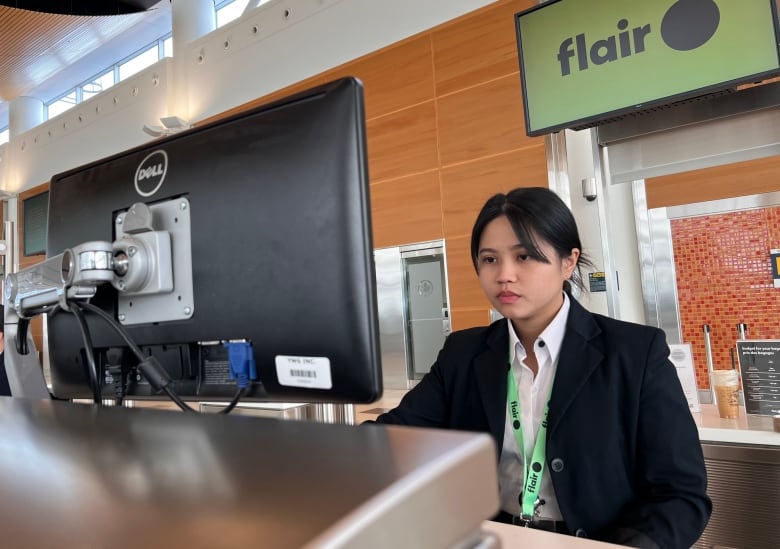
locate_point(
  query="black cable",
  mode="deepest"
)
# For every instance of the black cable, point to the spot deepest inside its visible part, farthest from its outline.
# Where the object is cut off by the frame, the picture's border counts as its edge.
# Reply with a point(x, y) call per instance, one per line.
point(115, 325)
point(139, 354)
point(22, 325)
point(133, 347)
point(227, 409)
point(94, 380)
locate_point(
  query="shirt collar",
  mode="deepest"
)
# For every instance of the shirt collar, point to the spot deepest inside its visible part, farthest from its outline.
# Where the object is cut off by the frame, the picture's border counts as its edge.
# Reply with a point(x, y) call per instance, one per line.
point(552, 335)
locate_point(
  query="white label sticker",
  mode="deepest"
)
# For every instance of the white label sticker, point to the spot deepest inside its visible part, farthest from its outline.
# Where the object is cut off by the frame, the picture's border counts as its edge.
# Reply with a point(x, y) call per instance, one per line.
point(304, 371)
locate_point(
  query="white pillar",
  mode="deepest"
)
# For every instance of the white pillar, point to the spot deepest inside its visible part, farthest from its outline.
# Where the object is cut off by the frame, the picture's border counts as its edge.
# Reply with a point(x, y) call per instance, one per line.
point(191, 19)
point(24, 113)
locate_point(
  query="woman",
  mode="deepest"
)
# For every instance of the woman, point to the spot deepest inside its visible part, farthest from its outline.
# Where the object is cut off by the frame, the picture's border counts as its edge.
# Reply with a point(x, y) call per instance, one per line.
point(594, 433)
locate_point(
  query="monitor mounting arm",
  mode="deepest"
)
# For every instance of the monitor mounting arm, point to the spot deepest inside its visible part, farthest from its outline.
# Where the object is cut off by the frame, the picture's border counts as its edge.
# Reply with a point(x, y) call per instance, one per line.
point(135, 264)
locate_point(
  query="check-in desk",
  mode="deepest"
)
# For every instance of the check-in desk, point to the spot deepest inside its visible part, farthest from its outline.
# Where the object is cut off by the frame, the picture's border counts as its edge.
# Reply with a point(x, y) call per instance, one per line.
point(743, 468)
point(74, 475)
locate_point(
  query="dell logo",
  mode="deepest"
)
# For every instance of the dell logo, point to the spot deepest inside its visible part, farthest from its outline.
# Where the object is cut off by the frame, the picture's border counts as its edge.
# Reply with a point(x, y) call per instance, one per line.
point(150, 174)
point(686, 25)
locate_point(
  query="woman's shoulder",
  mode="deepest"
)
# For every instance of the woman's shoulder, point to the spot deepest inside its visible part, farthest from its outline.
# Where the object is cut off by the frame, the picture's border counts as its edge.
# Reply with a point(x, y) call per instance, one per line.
point(627, 331)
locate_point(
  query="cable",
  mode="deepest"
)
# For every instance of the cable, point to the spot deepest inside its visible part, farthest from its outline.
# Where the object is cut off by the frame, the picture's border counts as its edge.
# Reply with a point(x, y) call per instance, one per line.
point(242, 365)
point(89, 350)
point(227, 409)
point(115, 325)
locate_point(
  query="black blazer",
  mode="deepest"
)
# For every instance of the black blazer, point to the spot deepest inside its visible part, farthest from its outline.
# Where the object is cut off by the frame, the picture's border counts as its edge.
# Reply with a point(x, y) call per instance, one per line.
point(5, 388)
point(622, 447)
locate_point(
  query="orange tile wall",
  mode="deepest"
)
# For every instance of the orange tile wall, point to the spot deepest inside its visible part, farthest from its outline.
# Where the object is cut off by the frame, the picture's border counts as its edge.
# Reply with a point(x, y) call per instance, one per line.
point(724, 277)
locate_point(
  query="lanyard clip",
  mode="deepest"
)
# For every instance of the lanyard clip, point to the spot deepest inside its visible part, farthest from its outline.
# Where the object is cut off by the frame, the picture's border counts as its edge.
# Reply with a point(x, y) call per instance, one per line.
point(524, 520)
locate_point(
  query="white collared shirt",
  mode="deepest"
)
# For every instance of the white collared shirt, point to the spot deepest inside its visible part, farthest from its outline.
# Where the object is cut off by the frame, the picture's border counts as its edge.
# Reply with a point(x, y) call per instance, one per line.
point(533, 394)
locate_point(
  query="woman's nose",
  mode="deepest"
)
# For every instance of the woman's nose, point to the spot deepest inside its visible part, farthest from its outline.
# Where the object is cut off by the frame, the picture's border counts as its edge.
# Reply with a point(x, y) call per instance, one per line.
point(506, 272)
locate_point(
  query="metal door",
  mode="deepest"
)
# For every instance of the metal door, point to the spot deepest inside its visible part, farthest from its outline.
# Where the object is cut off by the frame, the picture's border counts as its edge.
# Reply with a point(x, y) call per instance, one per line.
point(427, 306)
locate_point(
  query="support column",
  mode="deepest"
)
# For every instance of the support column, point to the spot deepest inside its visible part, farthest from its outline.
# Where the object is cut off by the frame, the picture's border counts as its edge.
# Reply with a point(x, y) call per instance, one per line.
point(191, 19)
point(24, 113)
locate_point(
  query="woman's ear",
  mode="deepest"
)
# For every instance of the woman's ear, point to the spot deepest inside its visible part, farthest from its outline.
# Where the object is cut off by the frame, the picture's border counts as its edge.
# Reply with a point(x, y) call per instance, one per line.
point(570, 262)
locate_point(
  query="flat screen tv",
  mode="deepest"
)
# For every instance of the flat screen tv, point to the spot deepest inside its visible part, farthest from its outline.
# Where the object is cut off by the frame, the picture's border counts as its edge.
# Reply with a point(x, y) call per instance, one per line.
point(582, 63)
point(34, 215)
point(270, 243)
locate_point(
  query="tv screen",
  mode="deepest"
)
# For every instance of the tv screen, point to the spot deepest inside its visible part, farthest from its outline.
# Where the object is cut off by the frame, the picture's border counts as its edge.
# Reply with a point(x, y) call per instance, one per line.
point(267, 216)
point(586, 62)
point(34, 214)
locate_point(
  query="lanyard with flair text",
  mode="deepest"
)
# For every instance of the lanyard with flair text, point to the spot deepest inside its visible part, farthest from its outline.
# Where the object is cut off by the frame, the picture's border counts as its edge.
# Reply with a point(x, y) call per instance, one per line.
point(533, 474)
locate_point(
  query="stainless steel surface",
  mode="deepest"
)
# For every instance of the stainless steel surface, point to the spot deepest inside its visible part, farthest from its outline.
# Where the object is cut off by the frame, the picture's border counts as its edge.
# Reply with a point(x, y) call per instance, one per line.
point(645, 251)
point(390, 307)
point(747, 100)
point(114, 477)
point(558, 165)
point(726, 205)
point(426, 305)
point(711, 143)
point(708, 353)
point(601, 160)
point(743, 484)
point(665, 275)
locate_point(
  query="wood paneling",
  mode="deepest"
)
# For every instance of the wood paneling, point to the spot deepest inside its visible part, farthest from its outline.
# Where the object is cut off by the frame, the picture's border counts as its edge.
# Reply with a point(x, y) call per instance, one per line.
point(445, 131)
point(465, 187)
point(483, 120)
point(738, 179)
point(36, 325)
point(469, 318)
point(478, 48)
point(465, 292)
point(394, 78)
point(402, 143)
point(406, 210)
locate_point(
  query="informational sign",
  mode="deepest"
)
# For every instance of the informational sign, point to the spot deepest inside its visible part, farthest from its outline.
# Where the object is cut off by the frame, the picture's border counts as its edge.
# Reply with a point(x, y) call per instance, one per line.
point(775, 257)
point(582, 62)
point(759, 362)
point(597, 282)
point(682, 358)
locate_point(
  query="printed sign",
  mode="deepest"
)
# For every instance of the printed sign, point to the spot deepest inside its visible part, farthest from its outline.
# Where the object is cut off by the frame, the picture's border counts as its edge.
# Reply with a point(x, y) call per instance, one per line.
point(759, 363)
point(682, 358)
point(585, 61)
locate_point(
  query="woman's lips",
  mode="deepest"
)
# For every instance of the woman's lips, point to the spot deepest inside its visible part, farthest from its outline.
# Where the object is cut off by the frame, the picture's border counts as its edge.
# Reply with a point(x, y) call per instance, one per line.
point(508, 297)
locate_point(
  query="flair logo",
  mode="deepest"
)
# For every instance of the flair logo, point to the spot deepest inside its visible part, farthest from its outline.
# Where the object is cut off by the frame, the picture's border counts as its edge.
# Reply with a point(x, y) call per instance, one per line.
point(687, 25)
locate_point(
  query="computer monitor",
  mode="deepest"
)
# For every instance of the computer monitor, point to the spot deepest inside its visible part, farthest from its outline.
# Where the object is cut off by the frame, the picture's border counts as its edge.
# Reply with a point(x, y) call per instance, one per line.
point(270, 241)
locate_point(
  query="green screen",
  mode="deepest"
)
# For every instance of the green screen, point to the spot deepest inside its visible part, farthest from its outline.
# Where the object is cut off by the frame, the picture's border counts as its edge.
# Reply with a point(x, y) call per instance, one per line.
point(586, 60)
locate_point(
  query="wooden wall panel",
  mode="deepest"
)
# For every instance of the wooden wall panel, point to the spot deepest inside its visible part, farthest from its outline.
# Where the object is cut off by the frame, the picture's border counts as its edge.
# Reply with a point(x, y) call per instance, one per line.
point(406, 210)
point(402, 143)
point(470, 318)
point(730, 180)
point(36, 325)
point(465, 187)
point(394, 78)
point(465, 292)
point(478, 48)
point(445, 131)
point(483, 120)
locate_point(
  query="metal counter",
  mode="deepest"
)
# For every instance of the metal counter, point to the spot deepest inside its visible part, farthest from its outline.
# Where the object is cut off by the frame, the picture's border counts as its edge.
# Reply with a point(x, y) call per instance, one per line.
point(81, 476)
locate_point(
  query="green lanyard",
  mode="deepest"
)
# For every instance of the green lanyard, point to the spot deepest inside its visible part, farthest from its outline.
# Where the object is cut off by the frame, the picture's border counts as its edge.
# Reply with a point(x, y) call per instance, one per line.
point(533, 475)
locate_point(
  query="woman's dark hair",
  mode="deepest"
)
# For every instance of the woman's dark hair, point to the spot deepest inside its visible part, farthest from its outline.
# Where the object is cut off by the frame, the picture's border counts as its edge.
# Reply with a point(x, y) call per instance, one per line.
point(536, 214)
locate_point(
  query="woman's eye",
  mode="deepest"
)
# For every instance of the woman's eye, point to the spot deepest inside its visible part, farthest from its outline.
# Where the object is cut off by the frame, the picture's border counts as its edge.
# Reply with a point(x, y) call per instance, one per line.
point(523, 257)
point(488, 259)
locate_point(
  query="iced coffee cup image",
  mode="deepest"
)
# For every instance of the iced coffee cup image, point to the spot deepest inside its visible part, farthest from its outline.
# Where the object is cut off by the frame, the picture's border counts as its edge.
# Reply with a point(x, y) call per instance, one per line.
point(726, 386)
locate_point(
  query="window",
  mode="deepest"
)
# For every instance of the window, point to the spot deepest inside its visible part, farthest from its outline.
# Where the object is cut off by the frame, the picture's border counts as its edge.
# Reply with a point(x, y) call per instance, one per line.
point(4, 136)
point(97, 85)
point(139, 62)
point(168, 47)
point(230, 10)
point(61, 105)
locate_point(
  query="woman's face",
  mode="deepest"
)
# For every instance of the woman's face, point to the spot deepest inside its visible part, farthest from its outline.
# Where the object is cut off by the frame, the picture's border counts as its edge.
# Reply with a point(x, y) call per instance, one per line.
point(527, 291)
